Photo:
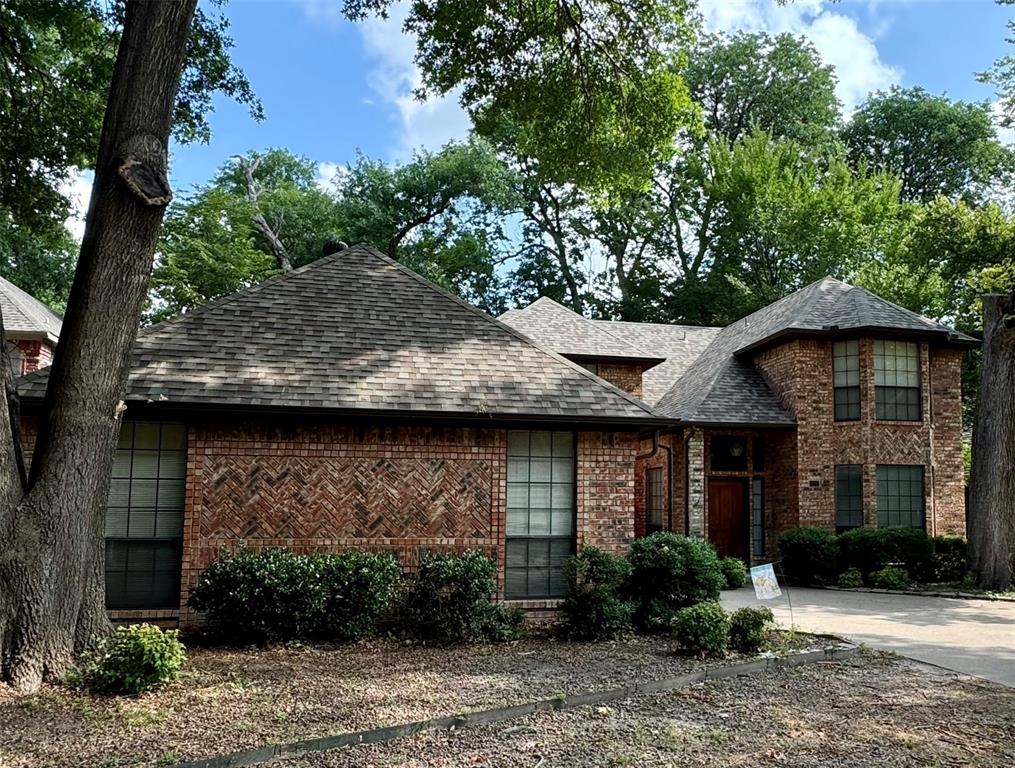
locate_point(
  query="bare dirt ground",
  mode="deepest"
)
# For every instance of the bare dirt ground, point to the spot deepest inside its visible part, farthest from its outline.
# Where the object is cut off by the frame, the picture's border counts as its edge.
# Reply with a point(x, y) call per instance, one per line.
point(874, 710)
point(228, 700)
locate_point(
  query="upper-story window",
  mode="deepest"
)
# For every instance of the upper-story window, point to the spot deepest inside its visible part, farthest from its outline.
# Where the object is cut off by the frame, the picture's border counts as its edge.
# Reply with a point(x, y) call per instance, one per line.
point(846, 379)
point(897, 380)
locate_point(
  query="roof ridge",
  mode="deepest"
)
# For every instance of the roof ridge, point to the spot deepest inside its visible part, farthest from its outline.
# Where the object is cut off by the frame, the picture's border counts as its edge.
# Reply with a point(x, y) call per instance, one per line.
point(591, 322)
point(512, 331)
point(902, 308)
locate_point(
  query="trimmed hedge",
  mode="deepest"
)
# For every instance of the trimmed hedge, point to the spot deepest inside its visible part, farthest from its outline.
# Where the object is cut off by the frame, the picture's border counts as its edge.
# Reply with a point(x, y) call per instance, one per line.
point(702, 629)
point(593, 608)
point(448, 601)
point(950, 558)
point(808, 556)
point(135, 659)
point(747, 628)
point(872, 549)
point(670, 572)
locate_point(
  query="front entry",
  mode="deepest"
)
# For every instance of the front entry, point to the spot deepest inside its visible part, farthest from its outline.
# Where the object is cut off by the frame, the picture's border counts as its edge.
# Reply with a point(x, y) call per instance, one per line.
point(727, 517)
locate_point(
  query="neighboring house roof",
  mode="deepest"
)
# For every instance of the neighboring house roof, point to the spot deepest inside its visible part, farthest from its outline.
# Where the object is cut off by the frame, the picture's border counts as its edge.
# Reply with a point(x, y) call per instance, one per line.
point(357, 332)
point(723, 385)
point(25, 317)
point(568, 333)
point(679, 344)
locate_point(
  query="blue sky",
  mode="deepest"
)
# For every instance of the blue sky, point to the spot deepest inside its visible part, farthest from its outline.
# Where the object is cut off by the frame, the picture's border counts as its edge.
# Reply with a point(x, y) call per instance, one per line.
point(331, 87)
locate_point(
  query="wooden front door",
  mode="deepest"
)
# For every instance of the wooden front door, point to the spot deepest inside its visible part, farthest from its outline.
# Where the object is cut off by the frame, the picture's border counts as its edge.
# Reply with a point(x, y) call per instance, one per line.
point(727, 517)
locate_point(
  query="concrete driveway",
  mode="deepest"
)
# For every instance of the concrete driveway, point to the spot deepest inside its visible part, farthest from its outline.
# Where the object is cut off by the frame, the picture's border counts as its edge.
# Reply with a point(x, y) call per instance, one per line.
point(975, 637)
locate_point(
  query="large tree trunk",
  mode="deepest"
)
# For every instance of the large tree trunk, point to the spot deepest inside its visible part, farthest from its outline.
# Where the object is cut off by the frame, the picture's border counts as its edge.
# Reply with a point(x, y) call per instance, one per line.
point(51, 528)
point(992, 488)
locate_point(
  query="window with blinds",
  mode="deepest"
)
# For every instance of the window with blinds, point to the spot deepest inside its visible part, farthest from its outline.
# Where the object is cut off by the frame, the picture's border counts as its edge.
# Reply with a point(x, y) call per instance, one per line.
point(540, 512)
point(144, 516)
point(897, 380)
point(654, 499)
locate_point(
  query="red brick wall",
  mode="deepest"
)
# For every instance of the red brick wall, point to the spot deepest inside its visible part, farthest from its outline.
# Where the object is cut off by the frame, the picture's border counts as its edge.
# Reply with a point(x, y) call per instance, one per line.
point(36, 354)
point(676, 443)
point(622, 376)
point(800, 373)
point(333, 487)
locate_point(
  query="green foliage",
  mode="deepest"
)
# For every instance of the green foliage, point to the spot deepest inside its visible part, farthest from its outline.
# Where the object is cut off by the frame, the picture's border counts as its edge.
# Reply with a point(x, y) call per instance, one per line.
point(702, 629)
point(59, 59)
point(872, 549)
point(39, 261)
point(734, 572)
point(808, 555)
point(747, 628)
point(851, 578)
point(360, 588)
point(670, 572)
point(1002, 76)
point(593, 608)
point(593, 88)
point(275, 595)
point(448, 600)
point(950, 558)
point(891, 577)
point(934, 145)
point(135, 659)
point(503, 623)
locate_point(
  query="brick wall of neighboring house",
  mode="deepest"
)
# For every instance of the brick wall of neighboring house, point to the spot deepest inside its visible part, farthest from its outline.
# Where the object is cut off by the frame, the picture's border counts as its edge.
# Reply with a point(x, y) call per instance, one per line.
point(401, 489)
point(35, 354)
point(800, 373)
point(623, 376)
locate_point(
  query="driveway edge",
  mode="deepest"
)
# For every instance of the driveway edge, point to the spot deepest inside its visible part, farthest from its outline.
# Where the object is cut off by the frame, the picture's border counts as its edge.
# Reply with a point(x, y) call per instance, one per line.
point(923, 593)
point(841, 652)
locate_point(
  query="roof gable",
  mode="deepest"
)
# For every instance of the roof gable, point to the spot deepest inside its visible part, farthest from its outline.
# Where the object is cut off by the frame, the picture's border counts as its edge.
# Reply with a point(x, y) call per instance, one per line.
point(26, 316)
point(356, 331)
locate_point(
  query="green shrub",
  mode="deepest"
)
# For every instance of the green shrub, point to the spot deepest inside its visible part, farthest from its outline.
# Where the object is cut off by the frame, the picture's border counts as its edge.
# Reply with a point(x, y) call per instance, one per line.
point(359, 589)
point(276, 595)
point(703, 628)
point(950, 558)
point(135, 659)
point(851, 578)
point(747, 629)
point(593, 608)
point(448, 600)
point(808, 556)
point(260, 597)
point(670, 572)
point(890, 578)
point(734, 571)
point(503, 624)
point(872, 549)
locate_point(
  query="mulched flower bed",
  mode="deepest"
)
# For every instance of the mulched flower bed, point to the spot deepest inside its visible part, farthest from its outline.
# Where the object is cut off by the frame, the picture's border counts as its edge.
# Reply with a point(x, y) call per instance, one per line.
point(873, 710)
point(228, 700)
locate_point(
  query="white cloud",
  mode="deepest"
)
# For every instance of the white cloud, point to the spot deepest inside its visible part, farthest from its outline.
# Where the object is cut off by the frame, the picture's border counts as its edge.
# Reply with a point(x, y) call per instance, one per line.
point(327, 174)
point(836, 36)
point(428, 124)
point(77, 187)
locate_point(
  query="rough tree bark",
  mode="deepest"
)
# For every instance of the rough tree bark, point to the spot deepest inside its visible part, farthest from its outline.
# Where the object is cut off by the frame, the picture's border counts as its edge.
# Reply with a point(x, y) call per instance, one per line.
point(992, 487)
point(278, 249)
point(51, 525)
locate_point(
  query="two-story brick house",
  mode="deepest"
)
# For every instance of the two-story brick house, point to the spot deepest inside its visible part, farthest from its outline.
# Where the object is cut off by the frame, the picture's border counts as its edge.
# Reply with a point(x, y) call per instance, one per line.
point(831, 407)
point(351, 403)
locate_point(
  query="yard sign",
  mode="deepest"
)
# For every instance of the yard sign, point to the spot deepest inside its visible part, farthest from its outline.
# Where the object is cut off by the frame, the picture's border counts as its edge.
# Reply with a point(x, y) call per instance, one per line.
point(766, 586)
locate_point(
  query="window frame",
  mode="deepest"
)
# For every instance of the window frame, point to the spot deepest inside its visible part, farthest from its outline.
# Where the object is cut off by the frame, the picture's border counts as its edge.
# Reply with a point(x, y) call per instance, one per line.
point(512, 541)
point(855, 473)
point(889, 410)
point(916, 471)
point(848, 389)
point(654, 491)
point(757, 512)
point(124, 547)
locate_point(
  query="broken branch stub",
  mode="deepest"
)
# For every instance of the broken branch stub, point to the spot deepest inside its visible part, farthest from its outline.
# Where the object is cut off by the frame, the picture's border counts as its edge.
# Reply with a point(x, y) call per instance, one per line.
point(148, 184)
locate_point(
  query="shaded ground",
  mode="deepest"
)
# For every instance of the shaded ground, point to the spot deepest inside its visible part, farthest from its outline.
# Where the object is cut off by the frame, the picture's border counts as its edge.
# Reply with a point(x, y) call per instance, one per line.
point(874, 710)
point(231, 700)
point(975, 637)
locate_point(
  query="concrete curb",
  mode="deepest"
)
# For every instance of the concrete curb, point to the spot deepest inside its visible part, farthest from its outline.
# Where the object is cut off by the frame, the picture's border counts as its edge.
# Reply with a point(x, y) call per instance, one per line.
point(923, 593)
point(268, 754)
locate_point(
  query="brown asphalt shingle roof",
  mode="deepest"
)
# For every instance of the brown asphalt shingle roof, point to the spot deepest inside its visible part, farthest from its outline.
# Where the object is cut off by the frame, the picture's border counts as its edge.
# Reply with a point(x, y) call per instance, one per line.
point(356, 332)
